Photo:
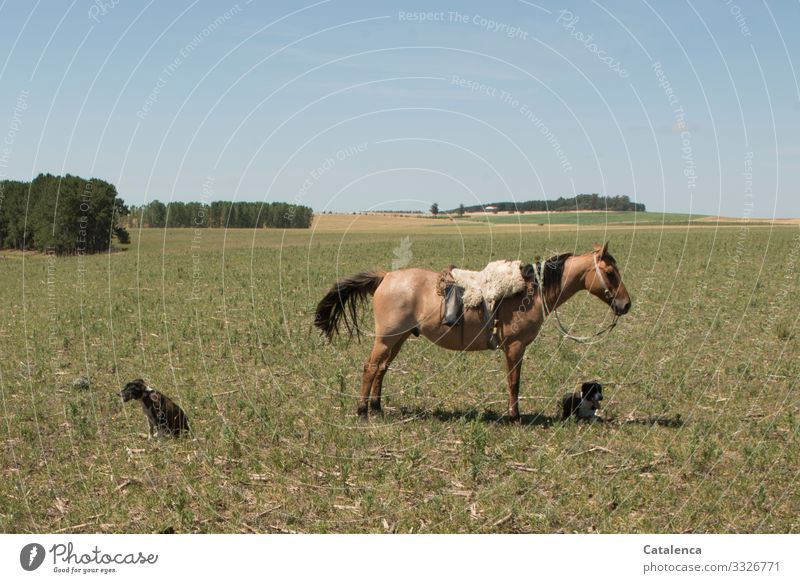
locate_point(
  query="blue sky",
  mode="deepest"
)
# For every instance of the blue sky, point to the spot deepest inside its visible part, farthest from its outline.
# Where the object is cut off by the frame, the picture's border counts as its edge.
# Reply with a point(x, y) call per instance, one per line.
point(393, 105)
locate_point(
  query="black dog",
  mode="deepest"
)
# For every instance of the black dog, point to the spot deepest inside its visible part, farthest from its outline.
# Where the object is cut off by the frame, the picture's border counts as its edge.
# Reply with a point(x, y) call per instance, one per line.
point(583, 405)
point(164, 416)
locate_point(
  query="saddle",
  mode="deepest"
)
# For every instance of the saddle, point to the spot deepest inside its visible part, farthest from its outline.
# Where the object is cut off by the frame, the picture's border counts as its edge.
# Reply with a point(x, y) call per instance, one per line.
point(484, 290)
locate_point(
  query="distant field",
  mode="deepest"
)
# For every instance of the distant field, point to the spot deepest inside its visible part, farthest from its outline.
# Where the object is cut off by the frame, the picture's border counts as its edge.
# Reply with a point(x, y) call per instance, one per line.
point(478, 223)
point(704, 431)
point(587, 218)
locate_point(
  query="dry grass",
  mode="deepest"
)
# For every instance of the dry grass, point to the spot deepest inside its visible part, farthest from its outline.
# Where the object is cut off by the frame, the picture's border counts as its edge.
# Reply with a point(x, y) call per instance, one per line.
point(777, 222)
point(700, 391)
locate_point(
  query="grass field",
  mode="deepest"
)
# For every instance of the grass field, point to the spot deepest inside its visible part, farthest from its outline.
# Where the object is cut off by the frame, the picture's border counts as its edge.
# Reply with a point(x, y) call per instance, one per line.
point(701, 389)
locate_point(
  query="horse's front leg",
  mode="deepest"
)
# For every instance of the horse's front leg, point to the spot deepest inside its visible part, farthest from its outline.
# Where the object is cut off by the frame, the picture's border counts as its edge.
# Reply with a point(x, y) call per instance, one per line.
point(514, 352)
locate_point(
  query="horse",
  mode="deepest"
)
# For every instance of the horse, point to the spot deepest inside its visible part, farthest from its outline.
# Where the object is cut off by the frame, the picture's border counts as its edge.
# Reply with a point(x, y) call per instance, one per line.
point(406, 302)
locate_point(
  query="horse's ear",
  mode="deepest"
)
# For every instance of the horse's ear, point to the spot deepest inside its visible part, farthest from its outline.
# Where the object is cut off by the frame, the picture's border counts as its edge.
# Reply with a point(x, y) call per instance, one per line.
point(601, 250)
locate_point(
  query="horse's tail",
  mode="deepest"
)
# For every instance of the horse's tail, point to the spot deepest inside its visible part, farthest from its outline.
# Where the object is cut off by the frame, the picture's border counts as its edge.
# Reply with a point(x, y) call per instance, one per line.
point(342, 301)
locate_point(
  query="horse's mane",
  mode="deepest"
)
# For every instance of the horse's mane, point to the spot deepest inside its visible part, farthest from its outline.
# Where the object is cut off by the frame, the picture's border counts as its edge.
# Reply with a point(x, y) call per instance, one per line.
point(553, 270)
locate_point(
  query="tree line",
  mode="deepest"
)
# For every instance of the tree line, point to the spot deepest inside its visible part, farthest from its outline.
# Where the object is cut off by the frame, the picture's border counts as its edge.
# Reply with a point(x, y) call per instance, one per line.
point(73, 215)
point(250, 215)
point(60, 214)
point(581, 202)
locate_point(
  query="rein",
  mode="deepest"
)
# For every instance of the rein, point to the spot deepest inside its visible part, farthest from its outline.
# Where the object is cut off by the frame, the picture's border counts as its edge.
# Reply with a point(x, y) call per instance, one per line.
point(538, 274)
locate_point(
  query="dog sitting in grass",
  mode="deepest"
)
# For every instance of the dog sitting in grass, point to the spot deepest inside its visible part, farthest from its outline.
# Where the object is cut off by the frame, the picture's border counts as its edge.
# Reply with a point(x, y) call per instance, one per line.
point(166, 419)
point(584, 405)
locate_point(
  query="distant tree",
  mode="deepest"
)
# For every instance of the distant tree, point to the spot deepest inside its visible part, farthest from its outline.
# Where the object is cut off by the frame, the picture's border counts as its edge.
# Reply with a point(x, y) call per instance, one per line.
point(14, 229)
point(122, 235)
point(232, 215)
point(155, 214)
point(178, 215)
point(217, 211)
point(577, 202)
point(460, 211)
point(121, 212)
point(434, 209)
point(62, 214)
point(70, 214)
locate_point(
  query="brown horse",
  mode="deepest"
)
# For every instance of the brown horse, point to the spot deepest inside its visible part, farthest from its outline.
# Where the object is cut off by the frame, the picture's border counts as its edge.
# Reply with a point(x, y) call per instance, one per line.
point(406, 302)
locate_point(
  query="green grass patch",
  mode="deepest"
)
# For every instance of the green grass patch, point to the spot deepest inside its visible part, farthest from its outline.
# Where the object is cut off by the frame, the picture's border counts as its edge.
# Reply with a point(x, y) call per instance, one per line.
point(700, 382)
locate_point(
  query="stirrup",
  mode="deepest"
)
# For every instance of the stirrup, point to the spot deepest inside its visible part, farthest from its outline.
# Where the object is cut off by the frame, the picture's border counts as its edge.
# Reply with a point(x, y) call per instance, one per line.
point(494, 340)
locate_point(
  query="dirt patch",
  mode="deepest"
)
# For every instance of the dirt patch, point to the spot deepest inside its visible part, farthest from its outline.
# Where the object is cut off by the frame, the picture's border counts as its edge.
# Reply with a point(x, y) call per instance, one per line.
point(373, 222)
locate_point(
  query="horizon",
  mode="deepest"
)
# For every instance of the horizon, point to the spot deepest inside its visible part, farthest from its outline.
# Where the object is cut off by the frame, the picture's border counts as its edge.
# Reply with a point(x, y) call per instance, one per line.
point(350, 108)
point(486, 207)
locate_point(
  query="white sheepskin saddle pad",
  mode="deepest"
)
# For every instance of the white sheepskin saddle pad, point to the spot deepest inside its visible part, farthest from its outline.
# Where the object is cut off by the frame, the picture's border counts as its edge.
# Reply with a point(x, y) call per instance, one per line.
point(499, 279)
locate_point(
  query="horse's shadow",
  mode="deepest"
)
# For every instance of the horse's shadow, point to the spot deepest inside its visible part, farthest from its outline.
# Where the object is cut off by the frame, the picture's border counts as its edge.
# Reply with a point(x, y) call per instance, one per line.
point(449, 415)
point(535, 419)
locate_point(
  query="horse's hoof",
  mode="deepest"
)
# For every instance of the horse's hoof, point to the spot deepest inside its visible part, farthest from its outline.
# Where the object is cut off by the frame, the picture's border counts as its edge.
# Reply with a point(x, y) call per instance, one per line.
point(375, 409)
point(515, 419)
point(363, 412)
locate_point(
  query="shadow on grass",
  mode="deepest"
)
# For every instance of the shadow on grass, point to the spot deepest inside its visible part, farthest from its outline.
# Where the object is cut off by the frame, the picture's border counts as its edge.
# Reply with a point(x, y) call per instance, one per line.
point(532, 419)
point(650, 420)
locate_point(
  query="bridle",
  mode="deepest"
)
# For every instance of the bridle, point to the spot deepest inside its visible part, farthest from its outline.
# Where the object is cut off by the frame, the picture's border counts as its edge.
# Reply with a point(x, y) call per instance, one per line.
point(609, 295)
point(538, 275)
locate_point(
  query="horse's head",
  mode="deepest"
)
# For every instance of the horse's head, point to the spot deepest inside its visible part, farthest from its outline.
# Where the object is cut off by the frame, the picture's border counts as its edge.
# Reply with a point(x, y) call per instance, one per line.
point(604, 281)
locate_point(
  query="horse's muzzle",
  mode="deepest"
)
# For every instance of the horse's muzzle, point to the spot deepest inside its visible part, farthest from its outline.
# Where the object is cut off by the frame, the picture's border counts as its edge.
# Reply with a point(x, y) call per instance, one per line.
point(621, 307)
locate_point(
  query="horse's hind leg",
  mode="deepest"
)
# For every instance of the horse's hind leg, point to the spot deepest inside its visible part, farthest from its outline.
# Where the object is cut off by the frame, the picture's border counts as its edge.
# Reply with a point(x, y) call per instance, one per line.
point(380, 352)
point(383, 352)
point(377, 383)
